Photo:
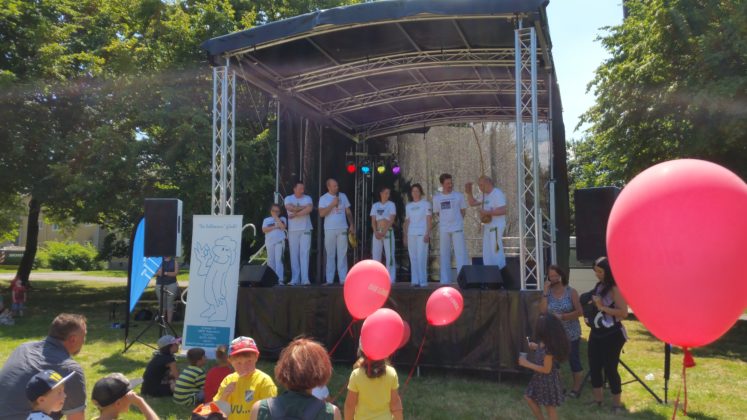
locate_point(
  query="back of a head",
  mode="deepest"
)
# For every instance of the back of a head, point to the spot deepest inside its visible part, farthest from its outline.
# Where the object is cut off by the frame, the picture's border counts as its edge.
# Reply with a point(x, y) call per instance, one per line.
point(550, 331)
point(66, 324)
point(221, 353)
point(303, 365)
point(373, 368)
point(195, 354)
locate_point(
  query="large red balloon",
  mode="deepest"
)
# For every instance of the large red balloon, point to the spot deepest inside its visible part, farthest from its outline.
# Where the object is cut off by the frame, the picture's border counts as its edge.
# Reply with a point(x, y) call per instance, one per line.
point(676, 240)
point(444, 306)
point(381, 334)
point(366, 288)
point(405, 335)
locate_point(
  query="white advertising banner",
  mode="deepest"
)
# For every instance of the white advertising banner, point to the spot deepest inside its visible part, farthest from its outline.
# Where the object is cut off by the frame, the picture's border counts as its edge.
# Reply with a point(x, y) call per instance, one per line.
point(213, 282)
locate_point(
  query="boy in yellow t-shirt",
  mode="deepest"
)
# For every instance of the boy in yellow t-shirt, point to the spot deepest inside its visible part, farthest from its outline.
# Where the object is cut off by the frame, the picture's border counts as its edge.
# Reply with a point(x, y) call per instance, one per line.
point(247, 384)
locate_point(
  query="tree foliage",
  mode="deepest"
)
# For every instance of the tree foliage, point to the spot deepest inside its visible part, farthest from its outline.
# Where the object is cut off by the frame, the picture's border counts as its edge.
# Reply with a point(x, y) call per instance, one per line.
point(674, 87)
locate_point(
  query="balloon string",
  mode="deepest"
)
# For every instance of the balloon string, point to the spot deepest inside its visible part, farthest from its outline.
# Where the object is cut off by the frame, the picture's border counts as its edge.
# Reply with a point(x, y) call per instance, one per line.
point(344, 333)
point(339, 392)
point(687, 362)
point(417, 359)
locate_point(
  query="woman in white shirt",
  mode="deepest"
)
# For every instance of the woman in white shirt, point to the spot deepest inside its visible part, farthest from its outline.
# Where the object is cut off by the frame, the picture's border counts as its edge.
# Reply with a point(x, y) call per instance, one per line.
point(383, 213)
point(416, 232)
point(274, 230)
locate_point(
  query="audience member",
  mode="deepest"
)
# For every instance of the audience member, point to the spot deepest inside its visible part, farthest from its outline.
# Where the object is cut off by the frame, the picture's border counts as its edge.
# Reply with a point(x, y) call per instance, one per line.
point(372, 391)
point(46, 392)
point(247, 384)
point(66, 337)
point(216, 375)
point(113, 395)
point(303, 365)
point(18, 292)
point(161, 373)
point(188, 389)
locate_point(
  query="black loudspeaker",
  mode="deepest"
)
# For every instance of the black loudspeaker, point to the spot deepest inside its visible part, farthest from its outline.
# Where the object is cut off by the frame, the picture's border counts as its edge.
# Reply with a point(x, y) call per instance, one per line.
point(593, 206)
point(511, 273)
point(480, 277)
point(163, 227)
point(257, 276)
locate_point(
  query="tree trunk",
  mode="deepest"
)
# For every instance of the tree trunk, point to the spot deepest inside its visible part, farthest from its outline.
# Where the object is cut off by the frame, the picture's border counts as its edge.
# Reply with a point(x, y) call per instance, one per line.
point(32, 239)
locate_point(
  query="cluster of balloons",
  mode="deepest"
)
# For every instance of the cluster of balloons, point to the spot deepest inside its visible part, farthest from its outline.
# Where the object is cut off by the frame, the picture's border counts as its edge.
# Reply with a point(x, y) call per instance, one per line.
point(676, 238)
point(367, 288)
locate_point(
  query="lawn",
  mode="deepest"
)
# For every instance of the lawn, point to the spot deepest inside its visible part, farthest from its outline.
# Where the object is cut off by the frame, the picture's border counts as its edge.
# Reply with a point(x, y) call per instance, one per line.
point(713, 385)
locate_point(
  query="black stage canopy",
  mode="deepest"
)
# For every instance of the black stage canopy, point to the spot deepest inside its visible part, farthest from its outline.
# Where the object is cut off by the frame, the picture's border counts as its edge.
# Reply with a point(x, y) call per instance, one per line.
point(387, 67)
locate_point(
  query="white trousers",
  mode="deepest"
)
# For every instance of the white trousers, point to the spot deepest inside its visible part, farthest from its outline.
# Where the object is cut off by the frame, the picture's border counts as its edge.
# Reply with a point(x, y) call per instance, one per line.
point(449, 240)
point(492, 246)
point(336, 245)
point(300, 246)
point(275, 258)
point(418, 251)
point(387, 244)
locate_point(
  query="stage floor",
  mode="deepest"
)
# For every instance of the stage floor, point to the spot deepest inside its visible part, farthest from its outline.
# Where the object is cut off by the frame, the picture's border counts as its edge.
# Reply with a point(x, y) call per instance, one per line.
point(488, 336)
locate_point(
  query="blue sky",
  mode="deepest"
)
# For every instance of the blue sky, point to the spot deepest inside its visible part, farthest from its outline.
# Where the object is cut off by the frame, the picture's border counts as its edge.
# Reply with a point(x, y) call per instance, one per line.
point(574, 26)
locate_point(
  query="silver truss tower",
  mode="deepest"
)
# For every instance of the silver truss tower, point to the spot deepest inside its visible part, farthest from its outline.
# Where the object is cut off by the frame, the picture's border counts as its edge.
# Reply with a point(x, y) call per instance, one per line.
point(527, 160)
point(224, 147)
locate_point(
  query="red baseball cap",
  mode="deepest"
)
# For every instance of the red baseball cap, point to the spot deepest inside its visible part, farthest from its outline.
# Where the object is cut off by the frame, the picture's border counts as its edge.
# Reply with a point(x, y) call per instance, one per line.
point(242, 345)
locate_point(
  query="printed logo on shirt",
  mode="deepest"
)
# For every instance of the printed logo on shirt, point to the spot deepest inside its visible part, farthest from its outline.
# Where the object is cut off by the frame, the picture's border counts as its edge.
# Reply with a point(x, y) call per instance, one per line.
point(446, 205)
point(249, 395)
point(380, 212)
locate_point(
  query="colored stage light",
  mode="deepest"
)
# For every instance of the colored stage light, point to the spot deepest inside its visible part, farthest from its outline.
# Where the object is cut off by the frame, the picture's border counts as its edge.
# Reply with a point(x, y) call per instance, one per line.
point(365, 167)
point(351, 167)
point(381, 168)
point(395, 167)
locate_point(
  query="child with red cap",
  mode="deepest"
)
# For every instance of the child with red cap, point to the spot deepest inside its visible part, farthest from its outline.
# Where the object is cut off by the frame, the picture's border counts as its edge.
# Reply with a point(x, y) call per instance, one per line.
point(247, 384)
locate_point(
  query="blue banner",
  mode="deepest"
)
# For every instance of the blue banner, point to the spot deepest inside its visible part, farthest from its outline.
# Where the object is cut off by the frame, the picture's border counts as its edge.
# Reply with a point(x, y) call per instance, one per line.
point(143, 268)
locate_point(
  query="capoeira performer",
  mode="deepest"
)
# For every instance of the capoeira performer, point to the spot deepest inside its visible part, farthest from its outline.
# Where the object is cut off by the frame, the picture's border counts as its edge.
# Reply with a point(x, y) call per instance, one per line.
point(274, 229)
point(383, 213)
point(450, 207)
point(417, 235)
point(299, 206)
point(334, 207)
point(493, 218)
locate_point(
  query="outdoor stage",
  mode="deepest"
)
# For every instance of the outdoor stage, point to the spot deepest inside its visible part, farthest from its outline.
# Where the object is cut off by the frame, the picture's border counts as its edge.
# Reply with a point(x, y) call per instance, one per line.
point(487, 336)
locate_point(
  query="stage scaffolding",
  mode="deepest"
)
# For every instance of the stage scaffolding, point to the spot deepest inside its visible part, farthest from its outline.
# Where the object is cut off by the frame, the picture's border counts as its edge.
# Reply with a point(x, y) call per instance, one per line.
point(344, 95)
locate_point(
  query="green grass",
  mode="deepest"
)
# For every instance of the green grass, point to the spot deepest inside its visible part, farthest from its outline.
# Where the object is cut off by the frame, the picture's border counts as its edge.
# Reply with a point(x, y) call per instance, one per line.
point(714, 385)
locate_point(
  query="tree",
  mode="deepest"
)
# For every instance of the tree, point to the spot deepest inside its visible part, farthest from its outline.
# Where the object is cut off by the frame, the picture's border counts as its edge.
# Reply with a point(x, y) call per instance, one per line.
point(674, 87)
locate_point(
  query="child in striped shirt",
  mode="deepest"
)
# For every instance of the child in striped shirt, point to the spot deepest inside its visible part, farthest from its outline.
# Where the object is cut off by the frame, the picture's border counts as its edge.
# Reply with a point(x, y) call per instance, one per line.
point(188, 389)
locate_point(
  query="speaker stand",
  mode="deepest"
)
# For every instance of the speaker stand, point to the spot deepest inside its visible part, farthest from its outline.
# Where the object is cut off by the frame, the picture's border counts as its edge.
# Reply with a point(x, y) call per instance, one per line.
point(159, 320)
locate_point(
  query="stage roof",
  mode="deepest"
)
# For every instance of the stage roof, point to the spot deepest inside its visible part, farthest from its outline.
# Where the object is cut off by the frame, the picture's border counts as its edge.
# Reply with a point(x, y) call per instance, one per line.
point(387, 67)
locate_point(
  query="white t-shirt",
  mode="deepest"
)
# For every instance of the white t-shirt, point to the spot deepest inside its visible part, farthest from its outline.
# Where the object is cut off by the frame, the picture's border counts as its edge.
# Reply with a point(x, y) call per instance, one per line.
point(448, 207)
point(382, 211)
point(492, 201)
point(335, 219)
point(299, 223)
point(417, 213)
point(276, 235)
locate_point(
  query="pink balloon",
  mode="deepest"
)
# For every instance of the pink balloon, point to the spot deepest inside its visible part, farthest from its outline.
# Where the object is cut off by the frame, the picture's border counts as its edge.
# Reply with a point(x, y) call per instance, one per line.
point(405, 335)
point(366, 288)
point(444, 306)
point(676, 240)
point(381, 334)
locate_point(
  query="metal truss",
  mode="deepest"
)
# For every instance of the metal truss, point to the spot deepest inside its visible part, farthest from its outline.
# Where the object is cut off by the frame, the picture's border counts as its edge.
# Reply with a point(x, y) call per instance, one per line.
point(224, 147)
point(495, 57)
point(531, 218)
point(420, 90)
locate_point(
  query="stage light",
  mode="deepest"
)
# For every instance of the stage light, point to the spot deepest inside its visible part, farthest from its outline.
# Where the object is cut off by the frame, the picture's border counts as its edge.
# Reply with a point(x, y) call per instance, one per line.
point(351, 167)
point(395, 167)
point(381, 167)
point(365, 167)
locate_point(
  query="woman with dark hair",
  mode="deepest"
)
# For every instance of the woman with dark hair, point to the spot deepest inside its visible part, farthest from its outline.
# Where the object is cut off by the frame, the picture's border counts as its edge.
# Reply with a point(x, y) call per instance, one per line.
point(607, 335)
point(383, 213)
point(416, 235)
point(561, 300)
point(274, 229)
point(373, 391)
point(303, 365)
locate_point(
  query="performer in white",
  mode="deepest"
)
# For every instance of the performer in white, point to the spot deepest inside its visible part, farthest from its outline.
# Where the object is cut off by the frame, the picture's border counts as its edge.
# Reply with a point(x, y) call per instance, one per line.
point(417, 234)
point(450, 207)
point(493, 218)
point(383, 214)
point(334, 207)
point(274, 230)
point(299, 206)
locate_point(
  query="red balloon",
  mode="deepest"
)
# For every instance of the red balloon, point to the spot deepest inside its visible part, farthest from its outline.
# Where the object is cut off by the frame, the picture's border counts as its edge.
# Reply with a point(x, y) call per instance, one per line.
point(381, 334)
point(366, 288)
point(676, 238)
point(405, 335)
point(444, 306)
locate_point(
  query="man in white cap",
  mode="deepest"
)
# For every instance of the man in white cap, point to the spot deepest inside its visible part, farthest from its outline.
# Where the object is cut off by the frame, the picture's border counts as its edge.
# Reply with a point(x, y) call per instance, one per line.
point(334, 207)
point(113, 395)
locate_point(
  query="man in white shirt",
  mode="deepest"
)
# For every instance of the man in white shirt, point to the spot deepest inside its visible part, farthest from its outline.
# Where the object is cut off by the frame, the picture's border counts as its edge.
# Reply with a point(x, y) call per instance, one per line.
point(450, 207)
point(299, 206)
point(334, 207)
point(382, 214)
point(493, 205)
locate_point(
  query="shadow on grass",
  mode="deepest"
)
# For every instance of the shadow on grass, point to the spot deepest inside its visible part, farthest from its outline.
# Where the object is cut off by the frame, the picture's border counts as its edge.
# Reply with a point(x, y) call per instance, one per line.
point(119, 362)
